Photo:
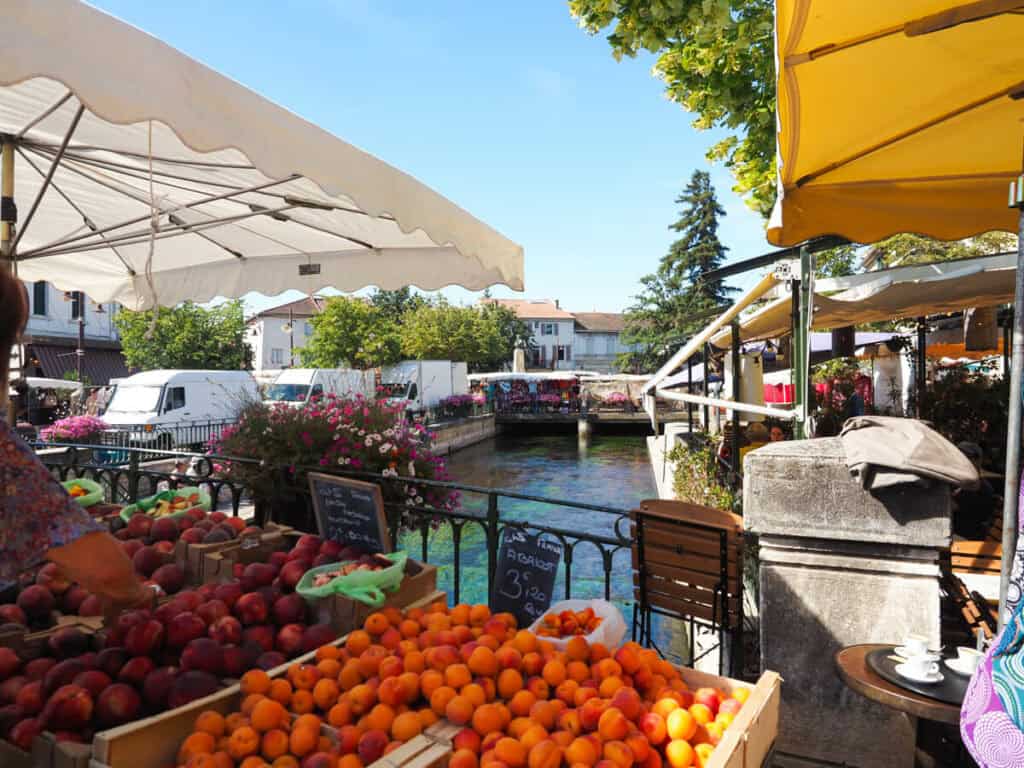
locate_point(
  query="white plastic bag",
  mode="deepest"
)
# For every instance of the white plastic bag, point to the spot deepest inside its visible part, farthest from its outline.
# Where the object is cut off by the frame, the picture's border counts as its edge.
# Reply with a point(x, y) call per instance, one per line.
point(609, 632)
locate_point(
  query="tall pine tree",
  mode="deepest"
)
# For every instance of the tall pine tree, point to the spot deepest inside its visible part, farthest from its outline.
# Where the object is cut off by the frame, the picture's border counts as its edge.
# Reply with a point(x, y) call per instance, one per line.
point(669, 308)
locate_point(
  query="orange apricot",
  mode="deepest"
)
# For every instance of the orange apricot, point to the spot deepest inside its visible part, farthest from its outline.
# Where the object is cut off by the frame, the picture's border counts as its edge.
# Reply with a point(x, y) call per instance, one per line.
point(249, 702)
point(533, 662)
point(234, 721)
point(679, 753)
point(430, 681)
point(463, 758)
point(303, 676)
point(511, 752)
point(582, 751)
point(303, 702)
point(325, 694)
point(609, 686)
point(414, 661)
point(701, 713)
point(479, 614)
point(639, 745)
point(510, 681)
point(211, 722)
point(618, 753)
point(483, 662)
point(577, 649)
point(681, 725)
point(198, 743)
point(544, 713)
point(545, 754)
point(380, 718)
point(521, 703)
point(303, 741)
point(406, 726)
point(274, 744)
point(255, 681)
point(376, 623)
point(253, 761)
point(440, 697)
point(428, 717)
point(268, 715)
point(362, 698)
point(577, 670)
point(487, 718)
point(554, 673)
point(457, 675)
point(348, 761)
point(243, 743)
point(459, 710)
point(613, 725)
point(281, 691)
point(533, 735)
point(357, 641)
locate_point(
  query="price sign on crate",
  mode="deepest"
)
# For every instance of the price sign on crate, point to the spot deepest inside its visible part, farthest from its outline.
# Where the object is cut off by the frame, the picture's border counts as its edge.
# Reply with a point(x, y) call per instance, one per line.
point(350, 512)
point(524, 579)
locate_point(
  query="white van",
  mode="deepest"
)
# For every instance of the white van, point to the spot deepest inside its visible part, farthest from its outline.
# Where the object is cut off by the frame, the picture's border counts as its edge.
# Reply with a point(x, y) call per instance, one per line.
point(178, 408)
point(420, 385)
point(295, 386)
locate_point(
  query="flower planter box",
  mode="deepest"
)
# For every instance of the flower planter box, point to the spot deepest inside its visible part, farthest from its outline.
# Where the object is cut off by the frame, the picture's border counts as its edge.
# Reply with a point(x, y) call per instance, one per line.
point(154, 741)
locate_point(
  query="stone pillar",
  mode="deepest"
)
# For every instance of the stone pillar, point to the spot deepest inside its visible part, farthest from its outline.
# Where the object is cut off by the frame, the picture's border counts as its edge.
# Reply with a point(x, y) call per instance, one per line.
point(839, 566)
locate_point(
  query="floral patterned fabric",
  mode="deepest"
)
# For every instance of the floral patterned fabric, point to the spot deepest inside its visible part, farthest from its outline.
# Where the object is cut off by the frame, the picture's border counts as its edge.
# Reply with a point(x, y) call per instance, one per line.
point(36, 513)
point(992, 715)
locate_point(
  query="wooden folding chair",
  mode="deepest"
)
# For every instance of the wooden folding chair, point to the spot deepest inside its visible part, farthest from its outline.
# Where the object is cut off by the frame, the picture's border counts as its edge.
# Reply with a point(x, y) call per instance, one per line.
point(688, 565)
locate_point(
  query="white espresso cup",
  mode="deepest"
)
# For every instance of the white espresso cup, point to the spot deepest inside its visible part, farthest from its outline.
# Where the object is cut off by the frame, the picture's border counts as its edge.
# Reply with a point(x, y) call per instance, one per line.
point(921, 666)
point(915, 645)
point(969, 659)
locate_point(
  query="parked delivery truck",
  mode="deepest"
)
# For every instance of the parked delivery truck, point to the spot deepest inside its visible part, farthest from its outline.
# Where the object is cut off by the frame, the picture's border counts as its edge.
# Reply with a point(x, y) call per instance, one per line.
point(422, 384)
point(295, 386)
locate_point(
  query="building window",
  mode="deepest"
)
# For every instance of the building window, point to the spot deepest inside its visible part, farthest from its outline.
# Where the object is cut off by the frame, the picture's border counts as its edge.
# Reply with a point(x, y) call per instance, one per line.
point(77, 305)
point(39, 298)
point(309, 328)
point(564, 352)
point(277, 356)
point(549, 329)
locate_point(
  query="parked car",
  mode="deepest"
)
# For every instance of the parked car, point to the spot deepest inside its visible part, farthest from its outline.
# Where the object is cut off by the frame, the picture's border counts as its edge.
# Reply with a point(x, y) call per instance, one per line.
point(174, 408)
point(295, 386)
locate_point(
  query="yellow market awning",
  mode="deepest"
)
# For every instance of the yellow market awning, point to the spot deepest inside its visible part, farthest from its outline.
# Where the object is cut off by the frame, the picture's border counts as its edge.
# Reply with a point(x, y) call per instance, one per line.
point(897, 117)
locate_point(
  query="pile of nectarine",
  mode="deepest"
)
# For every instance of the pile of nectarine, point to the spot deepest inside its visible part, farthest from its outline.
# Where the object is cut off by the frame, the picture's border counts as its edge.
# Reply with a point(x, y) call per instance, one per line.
point(519, 702)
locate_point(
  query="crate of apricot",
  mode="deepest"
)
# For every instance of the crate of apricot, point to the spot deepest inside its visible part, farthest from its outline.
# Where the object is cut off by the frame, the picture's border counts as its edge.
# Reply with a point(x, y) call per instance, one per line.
point(463, 687)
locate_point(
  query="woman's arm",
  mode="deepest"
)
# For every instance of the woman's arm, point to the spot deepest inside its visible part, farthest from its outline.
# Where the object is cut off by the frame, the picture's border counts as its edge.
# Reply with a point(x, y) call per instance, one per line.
point(99, 563)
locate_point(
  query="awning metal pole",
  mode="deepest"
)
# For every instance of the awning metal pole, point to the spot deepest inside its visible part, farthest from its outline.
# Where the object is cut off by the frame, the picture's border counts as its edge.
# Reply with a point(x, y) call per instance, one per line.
point(922, 364)
point(801, 332)
point(689, 390)
point(8, 213)
point(706, 391)
point(1012, 487)
point(734, 451)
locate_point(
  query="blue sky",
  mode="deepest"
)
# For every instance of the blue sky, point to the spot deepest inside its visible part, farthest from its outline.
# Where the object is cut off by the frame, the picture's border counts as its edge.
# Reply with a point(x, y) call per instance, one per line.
point(508, 109)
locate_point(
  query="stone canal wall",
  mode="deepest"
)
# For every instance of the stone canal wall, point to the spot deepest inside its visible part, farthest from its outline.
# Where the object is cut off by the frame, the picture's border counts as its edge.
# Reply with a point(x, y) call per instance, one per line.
point(454, 435)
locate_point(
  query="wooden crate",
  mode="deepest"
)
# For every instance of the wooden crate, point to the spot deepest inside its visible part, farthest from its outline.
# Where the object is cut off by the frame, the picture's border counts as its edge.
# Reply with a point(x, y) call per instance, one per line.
point(749, 739)
point(421, 752)
point(193, 557)
point(219, 564)
point(154, 741)
point(345, 614)
point(29, 645)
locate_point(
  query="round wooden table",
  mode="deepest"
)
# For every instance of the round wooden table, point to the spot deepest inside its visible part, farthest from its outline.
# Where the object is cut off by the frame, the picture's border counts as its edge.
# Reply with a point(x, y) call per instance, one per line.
point(851, 663)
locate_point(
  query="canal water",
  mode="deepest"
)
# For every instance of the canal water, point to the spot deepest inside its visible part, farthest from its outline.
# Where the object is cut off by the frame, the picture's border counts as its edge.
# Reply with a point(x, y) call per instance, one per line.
point(608, 470)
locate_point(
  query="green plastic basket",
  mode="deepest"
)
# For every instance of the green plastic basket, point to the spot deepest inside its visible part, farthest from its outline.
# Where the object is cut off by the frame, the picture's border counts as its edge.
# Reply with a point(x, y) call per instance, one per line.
point(94, 495)
point(368, 587)
point(146, 505)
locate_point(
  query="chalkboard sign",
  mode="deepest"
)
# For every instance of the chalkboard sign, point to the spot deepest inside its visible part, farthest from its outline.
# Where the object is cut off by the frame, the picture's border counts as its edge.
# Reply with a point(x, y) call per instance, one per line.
point(524, 578)
point(350, 512)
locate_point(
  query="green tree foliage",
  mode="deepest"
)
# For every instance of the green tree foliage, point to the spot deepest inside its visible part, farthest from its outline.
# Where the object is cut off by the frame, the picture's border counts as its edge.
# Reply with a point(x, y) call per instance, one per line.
point(395, 305)
point(906, 249)
point(354, 333)
point(187, 336)
point(484, 336)
point(676, 298)
point(717, 60)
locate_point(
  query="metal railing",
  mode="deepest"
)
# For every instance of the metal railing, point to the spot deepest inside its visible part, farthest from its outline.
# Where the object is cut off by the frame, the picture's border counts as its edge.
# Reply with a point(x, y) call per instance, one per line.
point(474, 529)
point(183, 434)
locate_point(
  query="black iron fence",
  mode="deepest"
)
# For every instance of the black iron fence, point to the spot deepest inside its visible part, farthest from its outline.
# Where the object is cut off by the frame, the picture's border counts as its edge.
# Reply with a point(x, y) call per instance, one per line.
point(465, 539)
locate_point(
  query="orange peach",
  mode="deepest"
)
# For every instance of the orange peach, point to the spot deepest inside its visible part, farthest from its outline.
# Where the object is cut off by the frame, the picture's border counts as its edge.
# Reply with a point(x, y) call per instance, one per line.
point(679, 754)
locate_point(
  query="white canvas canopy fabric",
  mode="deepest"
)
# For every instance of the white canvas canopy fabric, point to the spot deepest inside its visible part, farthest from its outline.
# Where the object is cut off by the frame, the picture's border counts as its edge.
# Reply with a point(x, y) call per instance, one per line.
point(902, 292)
point(241, 191)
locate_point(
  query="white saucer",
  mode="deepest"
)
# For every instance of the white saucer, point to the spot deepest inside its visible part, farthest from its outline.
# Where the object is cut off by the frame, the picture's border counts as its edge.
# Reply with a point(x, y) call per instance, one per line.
point(903, 653)
point(956, 666)
point(902, 671)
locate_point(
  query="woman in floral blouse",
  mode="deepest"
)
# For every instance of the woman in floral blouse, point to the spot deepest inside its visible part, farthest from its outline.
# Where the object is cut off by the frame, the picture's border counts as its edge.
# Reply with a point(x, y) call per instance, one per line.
point(38, 520)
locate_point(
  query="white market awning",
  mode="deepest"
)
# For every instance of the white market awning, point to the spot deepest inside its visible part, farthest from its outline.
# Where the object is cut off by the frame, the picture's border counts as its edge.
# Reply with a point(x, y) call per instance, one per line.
point(901, 292)
point(120, 130)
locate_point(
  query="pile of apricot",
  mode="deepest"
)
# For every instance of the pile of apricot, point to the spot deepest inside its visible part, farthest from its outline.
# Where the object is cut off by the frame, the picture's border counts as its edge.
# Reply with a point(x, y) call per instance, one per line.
point(569, 623)
point(519, 702)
